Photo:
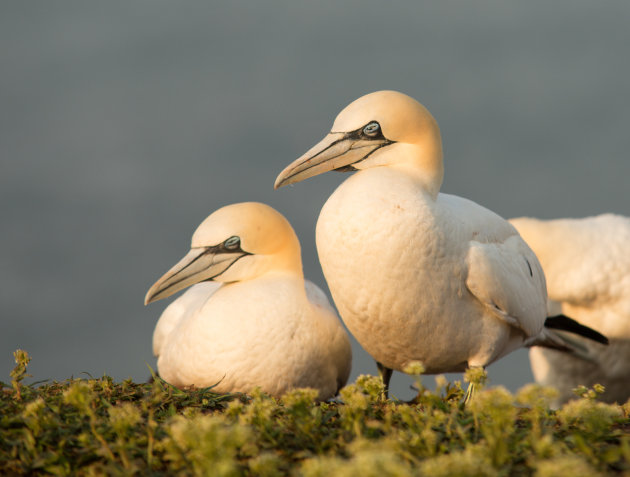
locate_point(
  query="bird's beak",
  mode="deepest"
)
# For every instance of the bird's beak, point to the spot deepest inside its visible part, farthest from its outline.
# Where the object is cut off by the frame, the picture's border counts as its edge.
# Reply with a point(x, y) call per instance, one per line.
point(198, 265)
point(336, 151)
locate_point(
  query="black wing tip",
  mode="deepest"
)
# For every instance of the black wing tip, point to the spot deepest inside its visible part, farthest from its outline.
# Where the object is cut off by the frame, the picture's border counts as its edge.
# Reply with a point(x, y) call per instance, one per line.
point(564, 323)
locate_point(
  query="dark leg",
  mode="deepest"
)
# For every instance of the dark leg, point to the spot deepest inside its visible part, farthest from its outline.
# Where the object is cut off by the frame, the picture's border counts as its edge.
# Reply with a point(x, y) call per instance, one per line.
point(385, 374)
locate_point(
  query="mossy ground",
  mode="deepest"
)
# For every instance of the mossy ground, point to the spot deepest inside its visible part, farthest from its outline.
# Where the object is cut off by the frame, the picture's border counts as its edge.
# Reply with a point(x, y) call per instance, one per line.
point(98, 427)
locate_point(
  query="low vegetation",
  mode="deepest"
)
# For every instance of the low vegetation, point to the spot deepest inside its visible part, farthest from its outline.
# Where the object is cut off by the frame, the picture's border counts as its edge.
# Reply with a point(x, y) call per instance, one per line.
point(99, 427)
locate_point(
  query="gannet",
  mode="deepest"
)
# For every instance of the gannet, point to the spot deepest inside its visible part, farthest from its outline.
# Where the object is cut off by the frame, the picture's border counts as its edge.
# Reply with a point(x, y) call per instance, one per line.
point(249, 318)
point(587, 266)
point(417, 275)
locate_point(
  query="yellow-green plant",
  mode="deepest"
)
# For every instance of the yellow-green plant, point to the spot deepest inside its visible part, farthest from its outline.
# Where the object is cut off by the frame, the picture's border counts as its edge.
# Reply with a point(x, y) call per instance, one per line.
point(101, 427)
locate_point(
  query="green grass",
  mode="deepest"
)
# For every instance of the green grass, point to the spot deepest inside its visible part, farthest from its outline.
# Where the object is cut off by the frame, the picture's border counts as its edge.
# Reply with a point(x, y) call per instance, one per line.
point(97, 426)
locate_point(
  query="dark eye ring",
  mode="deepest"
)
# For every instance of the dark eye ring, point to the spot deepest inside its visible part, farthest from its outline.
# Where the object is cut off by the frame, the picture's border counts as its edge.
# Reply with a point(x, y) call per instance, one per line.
point(232, 243)
point(372, 129)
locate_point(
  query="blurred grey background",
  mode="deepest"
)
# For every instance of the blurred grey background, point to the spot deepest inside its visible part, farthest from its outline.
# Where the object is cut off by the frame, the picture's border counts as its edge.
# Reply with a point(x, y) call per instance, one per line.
point(124, 124)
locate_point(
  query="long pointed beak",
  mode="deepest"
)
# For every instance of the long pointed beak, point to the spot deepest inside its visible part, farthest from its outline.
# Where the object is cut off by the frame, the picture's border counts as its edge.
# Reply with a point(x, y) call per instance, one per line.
point(198, 265)
point(335, 151)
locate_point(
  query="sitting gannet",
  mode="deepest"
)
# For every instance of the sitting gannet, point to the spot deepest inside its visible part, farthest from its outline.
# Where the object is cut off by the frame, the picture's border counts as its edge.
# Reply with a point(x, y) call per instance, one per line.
point(587, 266)
point(417, 275)
point(262, 325)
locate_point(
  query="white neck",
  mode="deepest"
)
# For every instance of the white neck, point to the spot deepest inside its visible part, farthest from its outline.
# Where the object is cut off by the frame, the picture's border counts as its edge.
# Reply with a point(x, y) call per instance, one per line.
point(424, 164)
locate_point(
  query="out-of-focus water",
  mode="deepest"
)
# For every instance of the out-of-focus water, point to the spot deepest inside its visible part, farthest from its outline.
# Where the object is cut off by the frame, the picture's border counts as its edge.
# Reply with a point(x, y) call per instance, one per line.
point(123, 124)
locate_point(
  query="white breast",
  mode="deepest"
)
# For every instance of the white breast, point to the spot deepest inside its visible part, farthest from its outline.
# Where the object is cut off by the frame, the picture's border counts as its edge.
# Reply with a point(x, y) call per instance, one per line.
point(259, 333)
point(397, 264)
point(189, 302)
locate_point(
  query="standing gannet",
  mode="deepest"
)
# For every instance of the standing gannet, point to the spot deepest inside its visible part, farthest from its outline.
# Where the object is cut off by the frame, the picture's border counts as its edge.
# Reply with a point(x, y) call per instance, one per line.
point(587, 265)
point(417, 275)
point(262, 325)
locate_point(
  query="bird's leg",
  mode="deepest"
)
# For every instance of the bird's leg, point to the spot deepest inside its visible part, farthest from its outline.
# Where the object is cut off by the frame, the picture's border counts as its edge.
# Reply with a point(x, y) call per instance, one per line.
point(470, 392)
point(385, 374)
point(476, 377)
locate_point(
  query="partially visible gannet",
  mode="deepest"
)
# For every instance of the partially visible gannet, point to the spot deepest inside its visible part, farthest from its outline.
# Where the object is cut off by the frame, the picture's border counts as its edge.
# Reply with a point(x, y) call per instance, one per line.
point(417, 275)
point(587, 265)
point(262, 325)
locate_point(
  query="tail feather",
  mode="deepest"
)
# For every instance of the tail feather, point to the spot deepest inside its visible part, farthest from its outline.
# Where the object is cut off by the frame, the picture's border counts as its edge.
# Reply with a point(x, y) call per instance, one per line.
point(564, 323)
point(562, 340)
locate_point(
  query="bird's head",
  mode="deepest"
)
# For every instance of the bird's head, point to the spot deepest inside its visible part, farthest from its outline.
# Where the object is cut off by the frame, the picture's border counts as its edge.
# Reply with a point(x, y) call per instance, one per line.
point(385, 128)
point(236, 243)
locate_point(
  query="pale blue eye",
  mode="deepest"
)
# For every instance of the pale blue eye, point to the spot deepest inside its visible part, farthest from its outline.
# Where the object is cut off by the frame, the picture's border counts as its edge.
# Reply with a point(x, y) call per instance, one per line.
point(232, 242)
point(371, 129)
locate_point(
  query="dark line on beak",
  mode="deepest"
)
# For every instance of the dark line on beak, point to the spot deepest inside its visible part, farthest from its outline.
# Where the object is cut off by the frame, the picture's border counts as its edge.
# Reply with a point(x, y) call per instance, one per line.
point(357, 134)
point(215, 249)
point(228, 267)
point(350, 167)
point(203, 254)
point(334, 143)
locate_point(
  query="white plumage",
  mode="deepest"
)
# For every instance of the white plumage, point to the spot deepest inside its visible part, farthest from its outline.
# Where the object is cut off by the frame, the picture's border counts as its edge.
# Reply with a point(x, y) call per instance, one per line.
point(444, 281)
point(587, 265)
point(262, 326)
point(417, 275)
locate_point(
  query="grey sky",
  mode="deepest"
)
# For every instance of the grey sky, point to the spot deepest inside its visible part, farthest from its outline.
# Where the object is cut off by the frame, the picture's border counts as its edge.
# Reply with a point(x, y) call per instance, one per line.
point(124, 124)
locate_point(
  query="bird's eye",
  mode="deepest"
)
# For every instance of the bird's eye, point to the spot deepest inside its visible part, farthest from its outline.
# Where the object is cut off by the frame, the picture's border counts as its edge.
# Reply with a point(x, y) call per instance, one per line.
point(372, 129)
point(232, 243)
